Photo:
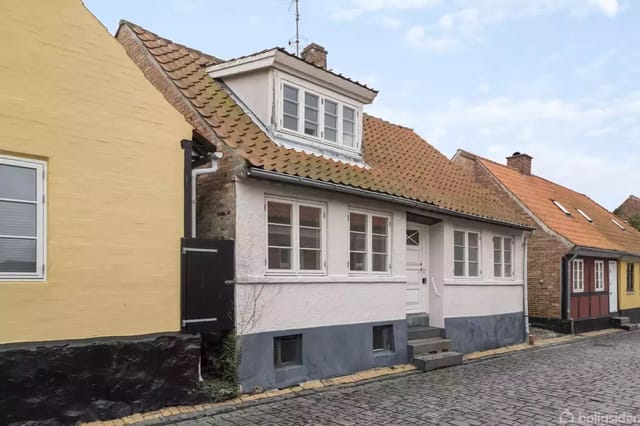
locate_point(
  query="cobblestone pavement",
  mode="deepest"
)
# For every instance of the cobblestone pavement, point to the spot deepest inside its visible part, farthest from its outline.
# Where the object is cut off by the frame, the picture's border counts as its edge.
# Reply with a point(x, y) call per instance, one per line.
point(591, 378)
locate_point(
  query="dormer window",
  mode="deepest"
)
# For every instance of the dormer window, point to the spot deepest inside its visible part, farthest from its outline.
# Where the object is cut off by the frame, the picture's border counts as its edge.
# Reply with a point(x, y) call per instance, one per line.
point(318, 116)
point(586, 216)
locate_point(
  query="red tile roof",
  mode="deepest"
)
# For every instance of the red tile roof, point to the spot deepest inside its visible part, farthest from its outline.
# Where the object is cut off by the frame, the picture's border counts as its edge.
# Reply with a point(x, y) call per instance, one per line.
point(537, 193)
point(401, 163)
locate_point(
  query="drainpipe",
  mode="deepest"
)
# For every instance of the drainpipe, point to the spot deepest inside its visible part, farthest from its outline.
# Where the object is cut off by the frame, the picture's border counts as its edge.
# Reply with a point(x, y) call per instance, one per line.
point(194, 175)
point(525, 284)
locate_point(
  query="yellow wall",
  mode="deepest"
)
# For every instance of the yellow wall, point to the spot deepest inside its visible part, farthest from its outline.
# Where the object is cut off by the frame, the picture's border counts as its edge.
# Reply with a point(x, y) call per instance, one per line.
point(628, 300)
point(70, 95)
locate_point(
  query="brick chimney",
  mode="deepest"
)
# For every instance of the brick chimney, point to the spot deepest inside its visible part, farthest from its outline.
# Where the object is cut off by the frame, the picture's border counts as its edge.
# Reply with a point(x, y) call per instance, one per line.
point(315, 54)
point(520, 162)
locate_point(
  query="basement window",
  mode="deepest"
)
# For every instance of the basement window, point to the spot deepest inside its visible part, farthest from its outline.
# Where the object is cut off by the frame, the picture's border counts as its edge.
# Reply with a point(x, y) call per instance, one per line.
point(383, 338)
point(561, 207)
point(618, 224)
point(287, 350)
point(22, 219)
point(586, 216)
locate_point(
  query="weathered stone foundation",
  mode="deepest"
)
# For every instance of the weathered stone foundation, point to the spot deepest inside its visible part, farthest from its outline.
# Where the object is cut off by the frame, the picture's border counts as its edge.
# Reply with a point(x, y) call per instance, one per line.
point(99, 379)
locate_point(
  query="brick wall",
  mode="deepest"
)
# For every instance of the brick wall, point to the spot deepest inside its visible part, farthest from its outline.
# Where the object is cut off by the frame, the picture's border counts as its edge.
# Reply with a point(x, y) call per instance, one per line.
point(544, 266)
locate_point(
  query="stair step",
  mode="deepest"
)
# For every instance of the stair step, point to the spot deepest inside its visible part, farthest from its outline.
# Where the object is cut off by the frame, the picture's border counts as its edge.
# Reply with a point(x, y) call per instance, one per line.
point(415, 333)
point(439, 360)
point(620, 320)
point(417, 320)
point(426, 346)
point(630, 326)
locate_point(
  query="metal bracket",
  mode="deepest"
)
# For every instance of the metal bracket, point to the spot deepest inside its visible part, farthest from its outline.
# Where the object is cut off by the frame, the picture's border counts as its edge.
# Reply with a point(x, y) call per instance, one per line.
point(200, 250)
point(191, 321)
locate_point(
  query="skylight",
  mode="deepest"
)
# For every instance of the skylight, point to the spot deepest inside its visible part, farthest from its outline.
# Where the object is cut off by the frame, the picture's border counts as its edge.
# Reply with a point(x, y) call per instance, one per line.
point(617, 223)
point(584, 215)
point(561, 207)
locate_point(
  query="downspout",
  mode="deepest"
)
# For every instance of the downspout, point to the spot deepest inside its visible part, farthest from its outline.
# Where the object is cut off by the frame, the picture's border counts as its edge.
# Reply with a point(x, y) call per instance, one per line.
point(525, 284)
point(194, 175)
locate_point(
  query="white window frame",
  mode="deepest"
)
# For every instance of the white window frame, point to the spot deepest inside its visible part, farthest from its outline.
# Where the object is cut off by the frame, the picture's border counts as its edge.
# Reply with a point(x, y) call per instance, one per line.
point(295, 235)
point(323, 94)
point(369, 238)
point(41, 219)
point(577, 275)
point(466, 252)
point(598, 273)
point(502, 262)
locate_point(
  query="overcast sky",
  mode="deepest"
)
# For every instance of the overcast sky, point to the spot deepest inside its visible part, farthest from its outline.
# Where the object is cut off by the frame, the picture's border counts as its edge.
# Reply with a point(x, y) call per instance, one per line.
point(557, 79)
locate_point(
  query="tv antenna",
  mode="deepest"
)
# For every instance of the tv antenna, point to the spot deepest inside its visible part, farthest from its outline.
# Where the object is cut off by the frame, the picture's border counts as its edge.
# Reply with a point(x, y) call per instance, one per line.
point(297, 39)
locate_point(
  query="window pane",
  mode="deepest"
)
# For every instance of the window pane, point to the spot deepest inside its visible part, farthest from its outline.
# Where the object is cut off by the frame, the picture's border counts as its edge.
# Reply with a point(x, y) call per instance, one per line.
point(358, 242)
point(383, 338)
point(349, 113)
point(474, 269)
point(497, 270)
point(379, 244)
point(279, 213)
point(309, 238)
point(17, 255)
point(497, 243)
point(287, 350)
point(310, 216)
point(18, 183)
point(348, 127)
point(458, 253)
point(379, 262)
point(458, 269)
point(290, 93)
point(413, 237)
point(311, 114)
point(358, 261)
point(279, 258)
point(348, 140)
point(290, 123)
point(280, 235)
point(458, 238)
point(310, 259)
point(497, 256)
point(330, 134)
point(330, 121)
point(507, 270)
point(311, 100)
point(473, 239)
point(358, 222)
point(310, 128)
point(291, 108)
point(330, 107)
point(18, 219)
point(473, 254)
point(379, 225)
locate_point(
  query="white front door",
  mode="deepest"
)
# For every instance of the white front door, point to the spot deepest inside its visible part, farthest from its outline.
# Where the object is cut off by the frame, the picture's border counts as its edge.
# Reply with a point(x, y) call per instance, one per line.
point(417, 243)
point(613, 286)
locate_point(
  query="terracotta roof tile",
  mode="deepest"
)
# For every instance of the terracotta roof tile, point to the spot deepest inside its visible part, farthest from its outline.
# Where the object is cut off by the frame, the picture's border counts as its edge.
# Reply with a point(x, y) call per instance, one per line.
point(400, 162)
point(537, 193)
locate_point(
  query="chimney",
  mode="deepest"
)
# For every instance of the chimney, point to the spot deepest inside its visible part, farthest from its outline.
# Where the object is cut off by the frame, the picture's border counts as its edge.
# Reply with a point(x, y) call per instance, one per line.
point(520, 162)
point(316, 55)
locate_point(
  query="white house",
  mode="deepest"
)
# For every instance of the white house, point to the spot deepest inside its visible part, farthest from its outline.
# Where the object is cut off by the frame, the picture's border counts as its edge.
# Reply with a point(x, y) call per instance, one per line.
point(357, 244)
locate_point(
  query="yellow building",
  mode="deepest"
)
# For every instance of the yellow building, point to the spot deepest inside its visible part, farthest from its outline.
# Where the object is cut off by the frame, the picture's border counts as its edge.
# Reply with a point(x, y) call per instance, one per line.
point(91, 206)
point(629, 288)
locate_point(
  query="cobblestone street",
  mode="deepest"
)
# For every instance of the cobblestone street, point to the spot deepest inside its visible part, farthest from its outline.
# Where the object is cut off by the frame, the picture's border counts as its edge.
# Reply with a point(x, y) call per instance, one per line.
point(591, 378)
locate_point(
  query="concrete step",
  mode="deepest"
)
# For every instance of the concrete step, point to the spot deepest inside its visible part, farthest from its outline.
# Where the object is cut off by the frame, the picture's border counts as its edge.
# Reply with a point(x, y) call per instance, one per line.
point(630, 326)
point(426, 346)
point(418, 320)
point(415, 333)
point(439, 360)
point(620, 320)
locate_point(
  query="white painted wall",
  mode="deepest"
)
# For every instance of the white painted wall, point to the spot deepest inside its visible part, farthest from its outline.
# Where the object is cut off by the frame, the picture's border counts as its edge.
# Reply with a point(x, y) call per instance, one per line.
point(267, 302)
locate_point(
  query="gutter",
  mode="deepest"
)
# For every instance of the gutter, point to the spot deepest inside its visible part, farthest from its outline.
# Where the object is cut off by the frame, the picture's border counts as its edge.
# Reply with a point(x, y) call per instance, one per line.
point(346, 189)
point(568, 271)
point(525, 282)
point(194, 175)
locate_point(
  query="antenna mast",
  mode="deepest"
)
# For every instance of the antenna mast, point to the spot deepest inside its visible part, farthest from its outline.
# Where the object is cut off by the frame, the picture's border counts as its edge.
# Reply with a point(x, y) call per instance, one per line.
point(297, 40)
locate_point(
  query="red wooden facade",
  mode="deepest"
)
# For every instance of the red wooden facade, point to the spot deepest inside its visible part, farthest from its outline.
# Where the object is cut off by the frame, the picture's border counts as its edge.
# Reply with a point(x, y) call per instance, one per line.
point(590, 303)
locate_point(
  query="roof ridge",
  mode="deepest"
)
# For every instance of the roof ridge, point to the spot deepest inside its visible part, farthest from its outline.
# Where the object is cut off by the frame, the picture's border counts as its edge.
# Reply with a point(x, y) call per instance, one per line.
point(366, 114)
point(199, 52)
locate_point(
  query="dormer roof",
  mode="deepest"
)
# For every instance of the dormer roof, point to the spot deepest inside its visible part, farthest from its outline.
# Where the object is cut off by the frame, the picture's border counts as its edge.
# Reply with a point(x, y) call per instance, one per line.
point(399, 163)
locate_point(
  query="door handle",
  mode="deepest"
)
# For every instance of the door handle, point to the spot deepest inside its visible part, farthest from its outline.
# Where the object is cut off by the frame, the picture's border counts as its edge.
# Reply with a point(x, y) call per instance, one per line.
point(424, 281)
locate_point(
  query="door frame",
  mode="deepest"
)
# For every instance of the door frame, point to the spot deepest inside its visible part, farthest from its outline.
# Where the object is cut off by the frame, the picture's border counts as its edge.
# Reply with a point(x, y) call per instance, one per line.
point(423, 275)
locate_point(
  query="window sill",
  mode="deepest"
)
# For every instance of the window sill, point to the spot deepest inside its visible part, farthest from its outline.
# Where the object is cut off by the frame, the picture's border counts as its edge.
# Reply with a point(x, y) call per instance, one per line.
point(287, 367)
point(22, 280)
point(382, 353)
point(321, 279)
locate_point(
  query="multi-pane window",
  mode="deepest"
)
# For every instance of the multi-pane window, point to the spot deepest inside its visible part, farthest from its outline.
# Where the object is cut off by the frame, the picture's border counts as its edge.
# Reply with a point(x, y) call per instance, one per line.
point(319, 117)
point(578, 275)
point(630, 277)
point(287, 350)
point(383, 338)
point(22, 213)
point(290, 107)
point(466, 254)
point(295, 236)
point(502, 257)
point(599, 274)
point(368, 242)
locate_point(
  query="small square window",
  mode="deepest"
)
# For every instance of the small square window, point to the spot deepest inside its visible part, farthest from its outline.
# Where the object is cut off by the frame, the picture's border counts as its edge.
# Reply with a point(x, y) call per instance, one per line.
point(287, 350)
point(383, 338)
